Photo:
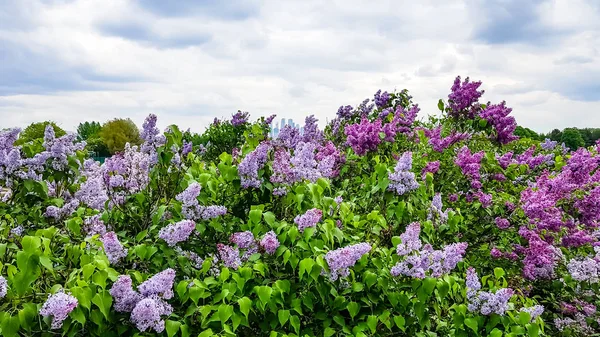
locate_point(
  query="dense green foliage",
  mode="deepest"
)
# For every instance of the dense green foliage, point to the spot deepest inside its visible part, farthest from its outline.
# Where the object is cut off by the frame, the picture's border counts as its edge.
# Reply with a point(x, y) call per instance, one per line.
point(118, 132)
point(253, 264)
point(35, 131)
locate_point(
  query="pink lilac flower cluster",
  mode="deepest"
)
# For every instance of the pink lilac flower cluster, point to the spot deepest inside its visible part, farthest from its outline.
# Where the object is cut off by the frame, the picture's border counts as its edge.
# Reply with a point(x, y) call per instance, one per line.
point(421, 261)
point(58, 306)
point(308, 219)
point(363, 137)
point(340, 260)
point(147, 305)
point(177, 232)
point(333, 158)
point(113, 248)
point(402, 180)
point(464, 97)
point(250, 166)
point(486, 302)
point(540, 257)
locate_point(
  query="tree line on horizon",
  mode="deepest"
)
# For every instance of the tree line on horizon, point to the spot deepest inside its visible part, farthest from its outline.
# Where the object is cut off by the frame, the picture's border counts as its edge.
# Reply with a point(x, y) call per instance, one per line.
point(109, 138)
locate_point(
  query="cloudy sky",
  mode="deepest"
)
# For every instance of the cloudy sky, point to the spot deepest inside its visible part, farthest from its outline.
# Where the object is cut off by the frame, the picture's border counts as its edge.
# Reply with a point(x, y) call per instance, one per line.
point(189, 61)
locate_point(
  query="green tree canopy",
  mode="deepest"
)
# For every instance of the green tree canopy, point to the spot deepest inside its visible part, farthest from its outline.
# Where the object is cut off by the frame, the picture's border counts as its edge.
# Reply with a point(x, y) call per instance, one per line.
point(88, 130)
point(526, 133)
point(36, 131)
point(118, 132)
point(572, 138)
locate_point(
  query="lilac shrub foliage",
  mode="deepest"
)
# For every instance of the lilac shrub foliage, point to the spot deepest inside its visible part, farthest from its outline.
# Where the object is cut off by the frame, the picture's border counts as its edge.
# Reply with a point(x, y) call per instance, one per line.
point(186, 234)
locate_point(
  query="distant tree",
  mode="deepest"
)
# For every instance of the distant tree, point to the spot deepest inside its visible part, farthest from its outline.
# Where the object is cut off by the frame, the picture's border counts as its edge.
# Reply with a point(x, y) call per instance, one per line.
point(572, 138)
point(88, 130)
point(36, 131)
point(555, 135)
point(118, 132)
point(526, 133)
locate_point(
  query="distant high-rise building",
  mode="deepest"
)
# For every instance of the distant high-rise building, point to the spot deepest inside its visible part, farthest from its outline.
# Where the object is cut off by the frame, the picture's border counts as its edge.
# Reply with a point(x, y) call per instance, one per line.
point(291, 122)
point(275, 132)
point(282, 124)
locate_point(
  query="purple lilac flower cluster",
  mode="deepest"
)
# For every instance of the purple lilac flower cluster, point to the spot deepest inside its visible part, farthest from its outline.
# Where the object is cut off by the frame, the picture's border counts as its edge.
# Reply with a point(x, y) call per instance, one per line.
point(252, 163)
point(431, 167)
point(190, 207)
point(381, 99)
point(229, 255)
point(3, 286)
point(486, 302)
point(402, 180)
point(152, 137)
point(147, 305)
point(94, 226)
point(439, 143)
point(308, 219)
point(113, 248)
point(548, 144)
point(269, 242)
point(363, 137)
point(58, 306)
point(60, 213)
point(240, 118)
point(422, 261)
point(340, 260)
point(464, 97)
point(92, 192)
point(435, 210)
point(345, 112)
point(288, 137)
point(470, 164)
point(534, 311)
point(498, 116)
point(585, 269)
point(177, 232)
point(312, 134)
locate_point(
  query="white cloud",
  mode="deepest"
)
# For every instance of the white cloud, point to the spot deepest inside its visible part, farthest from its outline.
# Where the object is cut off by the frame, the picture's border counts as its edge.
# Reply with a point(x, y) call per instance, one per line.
point(108, 59)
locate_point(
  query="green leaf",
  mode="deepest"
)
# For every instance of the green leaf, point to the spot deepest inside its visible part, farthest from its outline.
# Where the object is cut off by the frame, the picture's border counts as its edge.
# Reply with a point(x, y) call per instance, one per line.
point(524, 317)
point(172, 327)
point(329, 332)
point(498, 272)
point(441, 105)
point(10, 325)
point(78, 315)
point(372, 323)
point(370, 278)
point(245, 305)
point(495, 333)
point(269, 218)
point(283, 316)
point(264, 293)
point(103, 301)
point(533, 330)
point(255, 216)
point(225, 311)
point(353, 309)
point(305, 265)
point(471, 323)
point(400, 322)
point(295, 322)
point(206, 333)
